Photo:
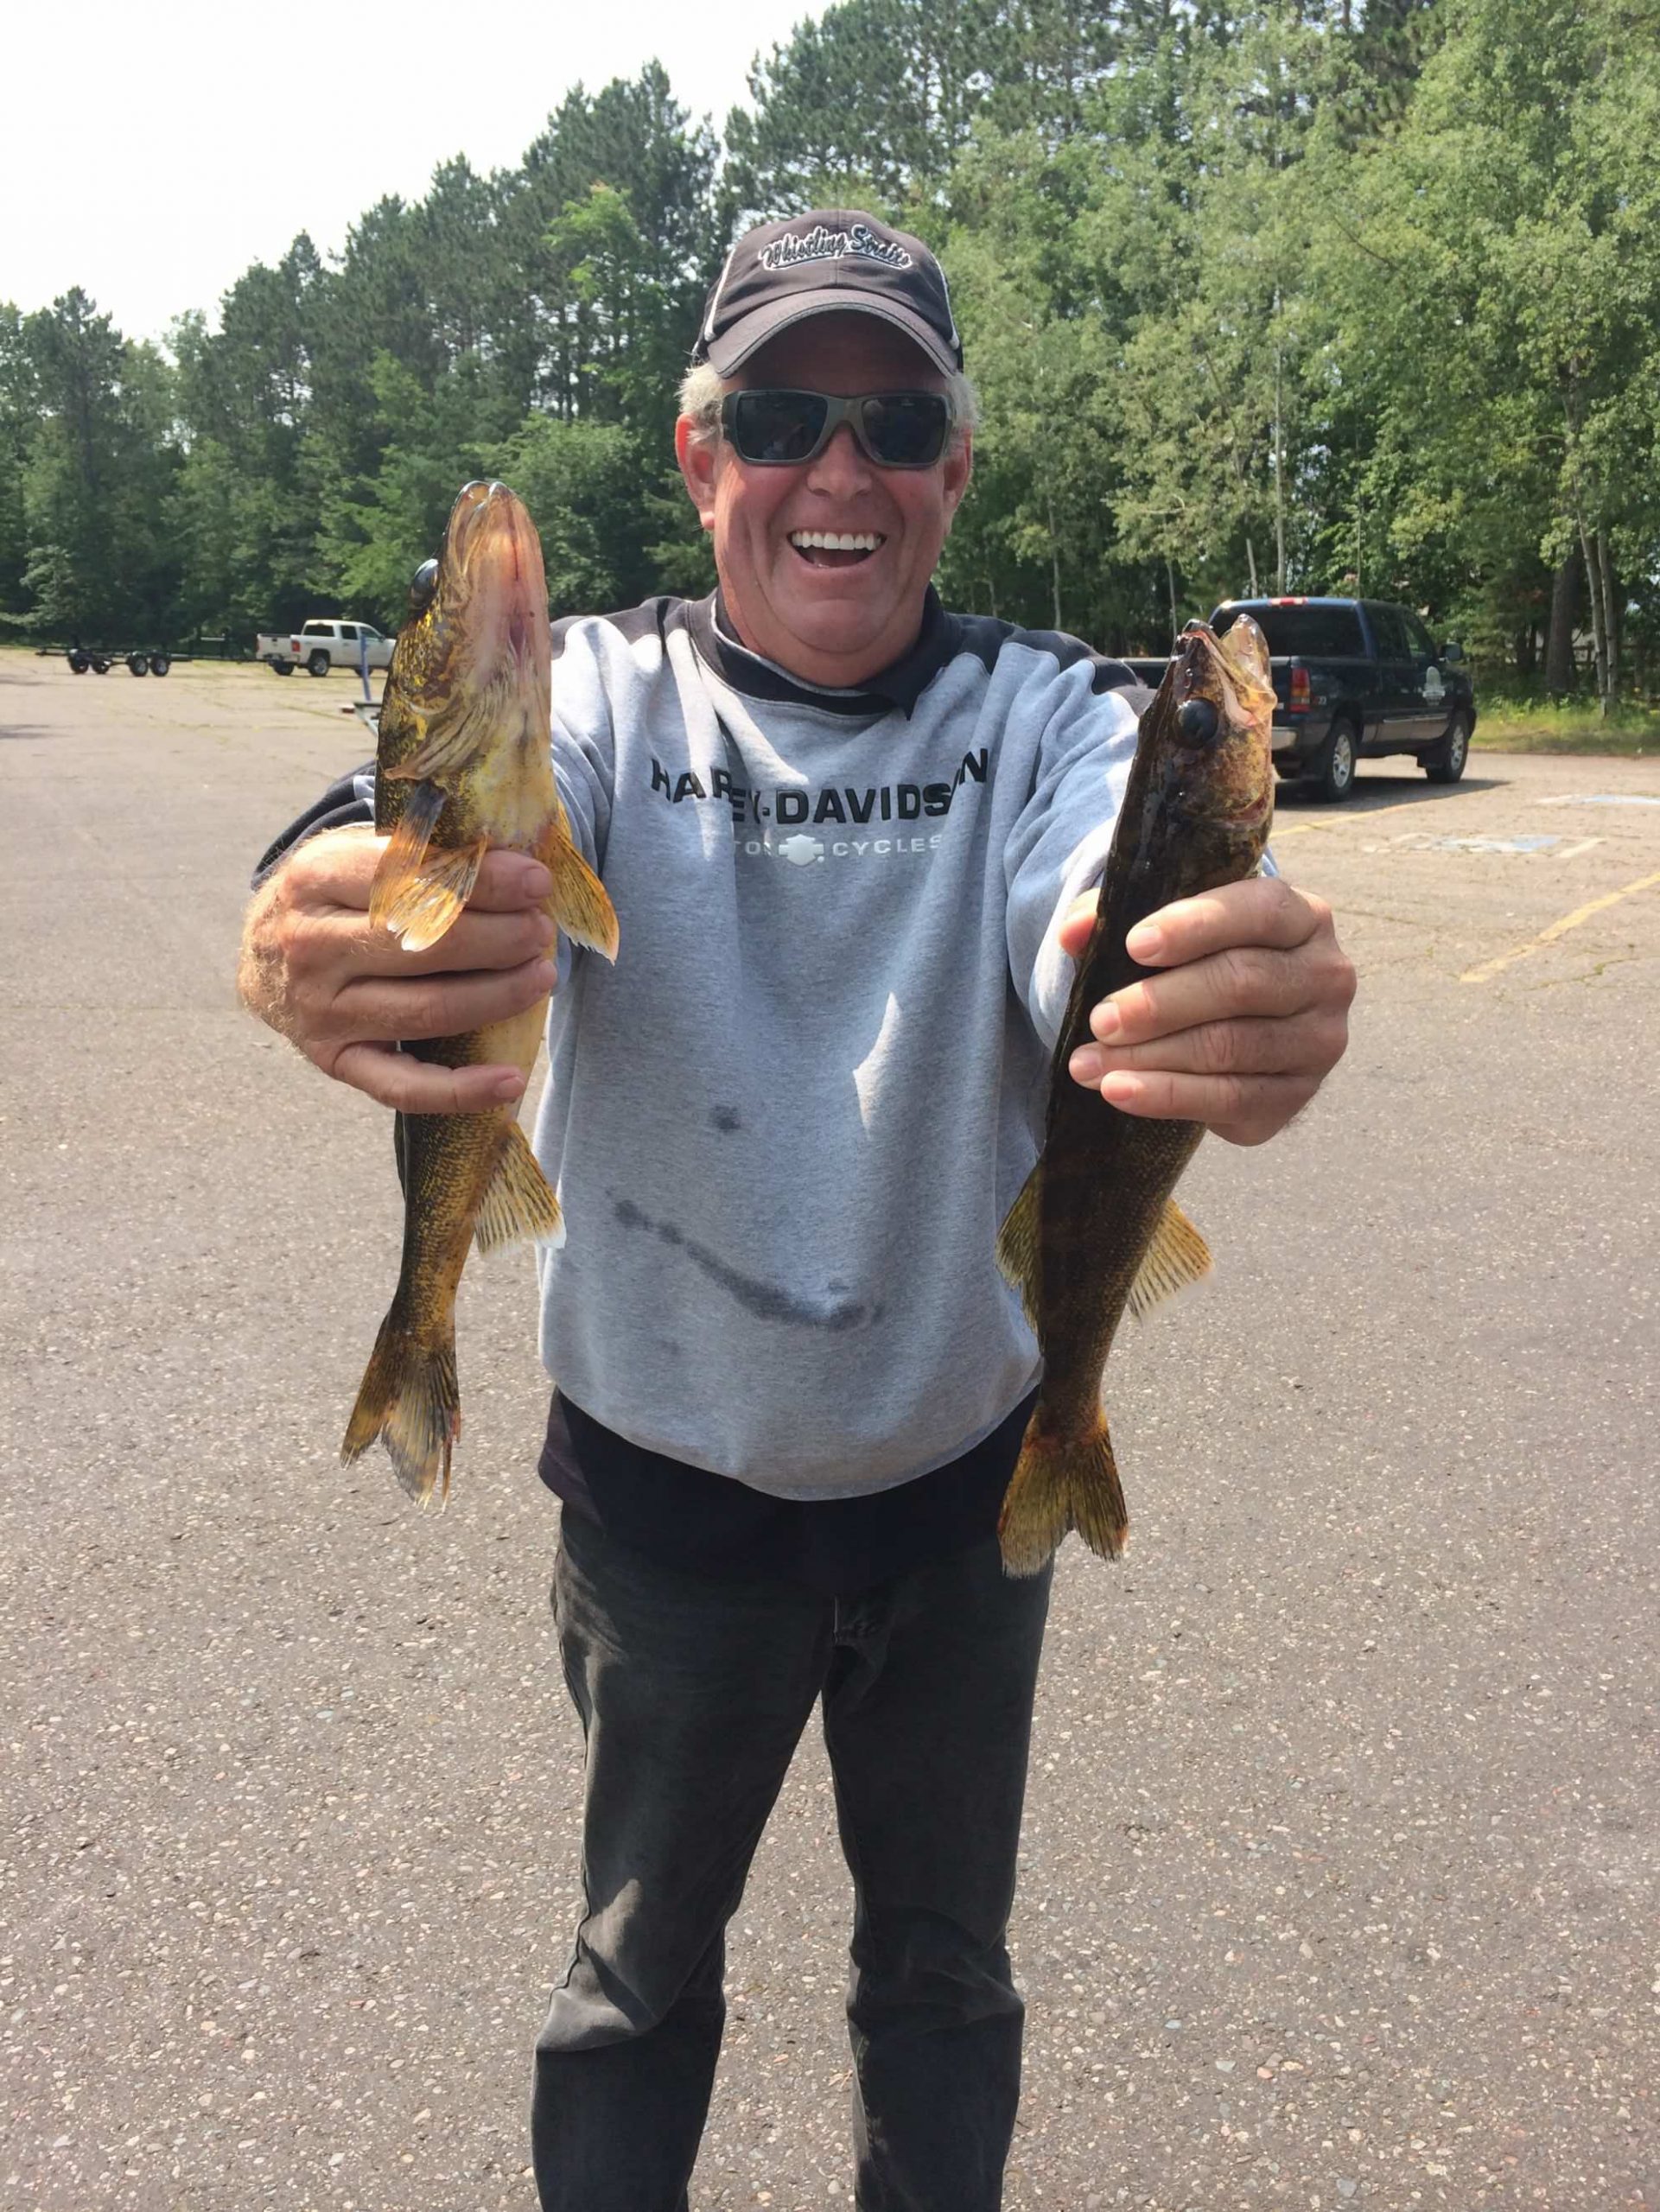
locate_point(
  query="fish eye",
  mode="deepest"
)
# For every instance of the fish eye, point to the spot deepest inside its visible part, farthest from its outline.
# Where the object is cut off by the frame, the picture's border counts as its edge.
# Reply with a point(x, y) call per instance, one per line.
point(422, 584)
point(1197, 721)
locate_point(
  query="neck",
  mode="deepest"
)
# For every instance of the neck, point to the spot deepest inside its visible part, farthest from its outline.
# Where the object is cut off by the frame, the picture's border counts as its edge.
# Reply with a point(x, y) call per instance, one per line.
point(823, 671)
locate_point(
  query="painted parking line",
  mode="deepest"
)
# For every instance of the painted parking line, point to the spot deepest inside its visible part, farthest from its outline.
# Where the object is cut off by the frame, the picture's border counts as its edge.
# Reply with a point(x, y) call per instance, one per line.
point(1490, 967)
point(1531, 847)
point(1599, 798)
point(1360, 814)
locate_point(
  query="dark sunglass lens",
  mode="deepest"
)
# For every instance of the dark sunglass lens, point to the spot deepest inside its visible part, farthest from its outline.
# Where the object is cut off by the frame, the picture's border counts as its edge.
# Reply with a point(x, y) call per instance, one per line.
point(776, 426)
point(906, 430)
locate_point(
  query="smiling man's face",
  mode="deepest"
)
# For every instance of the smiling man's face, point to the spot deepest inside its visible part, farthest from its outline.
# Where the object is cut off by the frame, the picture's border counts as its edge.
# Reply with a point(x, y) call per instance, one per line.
point(829, 616)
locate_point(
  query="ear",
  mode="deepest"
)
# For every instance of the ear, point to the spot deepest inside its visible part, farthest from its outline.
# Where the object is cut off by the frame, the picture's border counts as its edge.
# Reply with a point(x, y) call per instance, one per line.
point(959, 466)
point(697, 456)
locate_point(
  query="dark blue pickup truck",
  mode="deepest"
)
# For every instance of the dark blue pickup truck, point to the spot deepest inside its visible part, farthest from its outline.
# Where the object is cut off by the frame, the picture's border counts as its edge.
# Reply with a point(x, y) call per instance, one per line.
point(1355, 679)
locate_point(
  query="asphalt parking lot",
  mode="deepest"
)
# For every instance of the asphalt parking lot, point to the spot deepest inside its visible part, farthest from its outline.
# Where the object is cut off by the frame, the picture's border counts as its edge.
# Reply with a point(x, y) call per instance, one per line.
point(1340, 1854)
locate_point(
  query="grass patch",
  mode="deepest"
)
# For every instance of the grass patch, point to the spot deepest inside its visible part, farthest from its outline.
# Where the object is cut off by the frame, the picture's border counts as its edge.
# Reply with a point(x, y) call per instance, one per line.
point(1574, 726)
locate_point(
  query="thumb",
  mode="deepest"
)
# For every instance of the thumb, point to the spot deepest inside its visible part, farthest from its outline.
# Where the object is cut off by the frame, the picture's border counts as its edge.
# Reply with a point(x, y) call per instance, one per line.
point(1079, 920)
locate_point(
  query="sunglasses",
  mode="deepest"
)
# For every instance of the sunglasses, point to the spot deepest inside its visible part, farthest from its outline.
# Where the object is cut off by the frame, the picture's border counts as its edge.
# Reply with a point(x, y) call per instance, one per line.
point(781, 430)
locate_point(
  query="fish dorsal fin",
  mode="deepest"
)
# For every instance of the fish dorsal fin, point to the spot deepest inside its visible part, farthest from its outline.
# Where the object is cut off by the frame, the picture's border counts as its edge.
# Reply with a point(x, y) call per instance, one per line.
point(578, 903)
point(1177, 1255)
point(518, 1201)
point(419, 891)
point(1019, 1242)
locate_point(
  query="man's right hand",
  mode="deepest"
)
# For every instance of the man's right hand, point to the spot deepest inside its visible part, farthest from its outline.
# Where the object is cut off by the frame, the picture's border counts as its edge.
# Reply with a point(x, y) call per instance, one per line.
point(346, 993)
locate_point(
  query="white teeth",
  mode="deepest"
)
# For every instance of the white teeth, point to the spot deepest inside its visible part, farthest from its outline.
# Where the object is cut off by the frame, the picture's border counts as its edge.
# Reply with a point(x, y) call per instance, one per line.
point(827, 541)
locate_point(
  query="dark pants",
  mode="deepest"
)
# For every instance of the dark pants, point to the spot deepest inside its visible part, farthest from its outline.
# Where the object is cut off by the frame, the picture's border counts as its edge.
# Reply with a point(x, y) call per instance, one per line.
point(693, 1694)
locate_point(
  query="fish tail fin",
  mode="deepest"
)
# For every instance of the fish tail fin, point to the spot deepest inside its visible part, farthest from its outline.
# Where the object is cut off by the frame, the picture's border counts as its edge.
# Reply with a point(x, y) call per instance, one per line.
point(410, 1398)
point(518, 1201)
point(577, 904)
point(1062, 1482)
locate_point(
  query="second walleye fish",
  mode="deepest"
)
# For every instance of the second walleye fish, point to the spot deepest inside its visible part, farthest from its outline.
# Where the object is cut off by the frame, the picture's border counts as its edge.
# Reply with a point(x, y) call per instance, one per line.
point(1094, 1228)
point(464, 763)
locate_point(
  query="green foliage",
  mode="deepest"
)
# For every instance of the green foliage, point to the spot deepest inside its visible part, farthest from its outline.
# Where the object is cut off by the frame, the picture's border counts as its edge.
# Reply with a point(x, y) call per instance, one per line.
point(1303, 294)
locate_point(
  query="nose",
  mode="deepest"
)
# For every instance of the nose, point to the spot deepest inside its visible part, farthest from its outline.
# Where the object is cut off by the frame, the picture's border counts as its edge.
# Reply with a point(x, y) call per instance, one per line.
point(841, 467)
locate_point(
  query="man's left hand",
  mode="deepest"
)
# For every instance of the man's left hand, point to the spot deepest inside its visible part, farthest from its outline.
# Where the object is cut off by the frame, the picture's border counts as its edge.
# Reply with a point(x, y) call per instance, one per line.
point(1247, 1018)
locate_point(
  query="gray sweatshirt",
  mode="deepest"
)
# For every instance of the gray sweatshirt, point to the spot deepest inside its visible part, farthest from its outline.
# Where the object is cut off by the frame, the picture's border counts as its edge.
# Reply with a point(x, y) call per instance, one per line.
point(786, 1125)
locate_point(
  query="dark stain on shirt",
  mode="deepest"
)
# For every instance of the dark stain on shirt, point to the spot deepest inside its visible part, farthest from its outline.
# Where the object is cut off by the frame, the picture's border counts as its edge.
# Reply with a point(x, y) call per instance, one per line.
point(766, 1300)
point(726, 1119)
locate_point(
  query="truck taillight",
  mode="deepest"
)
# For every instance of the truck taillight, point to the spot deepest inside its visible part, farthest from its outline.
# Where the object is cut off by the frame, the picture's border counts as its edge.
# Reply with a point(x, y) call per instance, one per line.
point(1301, 698)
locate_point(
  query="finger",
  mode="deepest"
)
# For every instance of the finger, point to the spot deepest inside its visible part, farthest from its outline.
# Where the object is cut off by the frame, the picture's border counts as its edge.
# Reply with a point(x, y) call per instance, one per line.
point(379, 1009)
point(1246, 980)
point(1305, 1044)
point(1221, 1101)
point(1078, 924)
point(1262, 909)
point(337, 870)
point(354, 945)
point(412, 1086)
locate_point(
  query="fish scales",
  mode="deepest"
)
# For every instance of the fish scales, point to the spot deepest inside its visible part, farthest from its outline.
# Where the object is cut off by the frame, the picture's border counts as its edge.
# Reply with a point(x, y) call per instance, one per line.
point(463, 763)
point(1095, 1228)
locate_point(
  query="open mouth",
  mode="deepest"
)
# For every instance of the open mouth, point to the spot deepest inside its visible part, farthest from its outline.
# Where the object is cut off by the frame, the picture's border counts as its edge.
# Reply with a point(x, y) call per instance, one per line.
point(829, 548)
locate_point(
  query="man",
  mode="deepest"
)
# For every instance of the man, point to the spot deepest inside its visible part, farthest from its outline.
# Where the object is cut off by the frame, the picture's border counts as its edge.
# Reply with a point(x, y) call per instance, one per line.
point(850, 839)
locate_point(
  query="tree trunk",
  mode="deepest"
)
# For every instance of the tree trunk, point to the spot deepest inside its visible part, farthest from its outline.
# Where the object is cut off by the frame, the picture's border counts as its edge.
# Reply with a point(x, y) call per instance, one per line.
point(1564, 606)
point(1611, 597)
point(1279, 478)
point(1598, 642)
point(1054, 561)
point(1250, 562)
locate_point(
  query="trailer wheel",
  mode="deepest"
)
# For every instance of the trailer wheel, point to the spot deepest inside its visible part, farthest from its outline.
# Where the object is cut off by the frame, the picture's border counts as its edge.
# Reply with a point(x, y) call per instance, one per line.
point(138, 664)
point(78, 661)
point(160, 664)
point(318, 663)
point(100, 666)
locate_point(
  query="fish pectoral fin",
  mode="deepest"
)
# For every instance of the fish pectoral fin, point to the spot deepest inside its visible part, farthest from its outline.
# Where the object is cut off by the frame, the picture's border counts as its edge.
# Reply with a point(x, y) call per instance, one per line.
point(1019, 1242)
point(1061, 1482)
point(518, 1201)
point(1177, 1255)
point(418, 897)
point(406, 850)
point(577, 904)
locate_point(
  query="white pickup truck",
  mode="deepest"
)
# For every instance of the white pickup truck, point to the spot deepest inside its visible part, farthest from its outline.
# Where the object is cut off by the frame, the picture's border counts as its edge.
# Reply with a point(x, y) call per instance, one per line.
point(318, 646)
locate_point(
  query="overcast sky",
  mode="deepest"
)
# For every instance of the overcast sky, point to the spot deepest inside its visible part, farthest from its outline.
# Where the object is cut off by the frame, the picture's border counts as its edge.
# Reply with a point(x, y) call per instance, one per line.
point(148, 155)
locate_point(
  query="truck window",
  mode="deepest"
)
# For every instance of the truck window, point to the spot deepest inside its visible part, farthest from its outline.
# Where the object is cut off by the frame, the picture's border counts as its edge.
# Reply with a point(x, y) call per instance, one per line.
point(349, 631)
point(1422, 644)
point(1391, 630)
point(316, 630)
point(1308, 633)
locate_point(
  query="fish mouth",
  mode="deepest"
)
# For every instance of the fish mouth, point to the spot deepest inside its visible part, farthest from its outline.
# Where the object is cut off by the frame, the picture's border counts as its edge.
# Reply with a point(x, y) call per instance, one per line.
point(497, 559)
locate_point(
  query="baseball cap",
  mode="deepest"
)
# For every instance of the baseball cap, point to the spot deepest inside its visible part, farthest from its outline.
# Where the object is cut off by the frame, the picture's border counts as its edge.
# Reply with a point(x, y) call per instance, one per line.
point(829, 258)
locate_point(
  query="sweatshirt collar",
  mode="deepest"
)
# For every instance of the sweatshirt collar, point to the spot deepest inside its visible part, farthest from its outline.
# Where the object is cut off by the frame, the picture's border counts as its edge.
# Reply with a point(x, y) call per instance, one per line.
point(899, 685)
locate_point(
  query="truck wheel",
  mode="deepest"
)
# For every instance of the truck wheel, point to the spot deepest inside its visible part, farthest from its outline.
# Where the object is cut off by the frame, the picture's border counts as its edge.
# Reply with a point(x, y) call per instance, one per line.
point(78, 661)
point(280, 667)
point(137, 666)
point(1331, 769)
point(318, 663)
point(1444, 764)
point(160, 664)
point(100, 666)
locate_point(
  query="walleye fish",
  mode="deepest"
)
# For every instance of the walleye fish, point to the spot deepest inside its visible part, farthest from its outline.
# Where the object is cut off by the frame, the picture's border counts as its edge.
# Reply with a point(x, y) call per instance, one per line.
point(464, 762)
point(1095, 1228)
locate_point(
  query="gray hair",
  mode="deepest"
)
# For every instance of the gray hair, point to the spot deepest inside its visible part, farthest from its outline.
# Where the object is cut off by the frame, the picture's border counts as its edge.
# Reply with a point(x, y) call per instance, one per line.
point(703, 388)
